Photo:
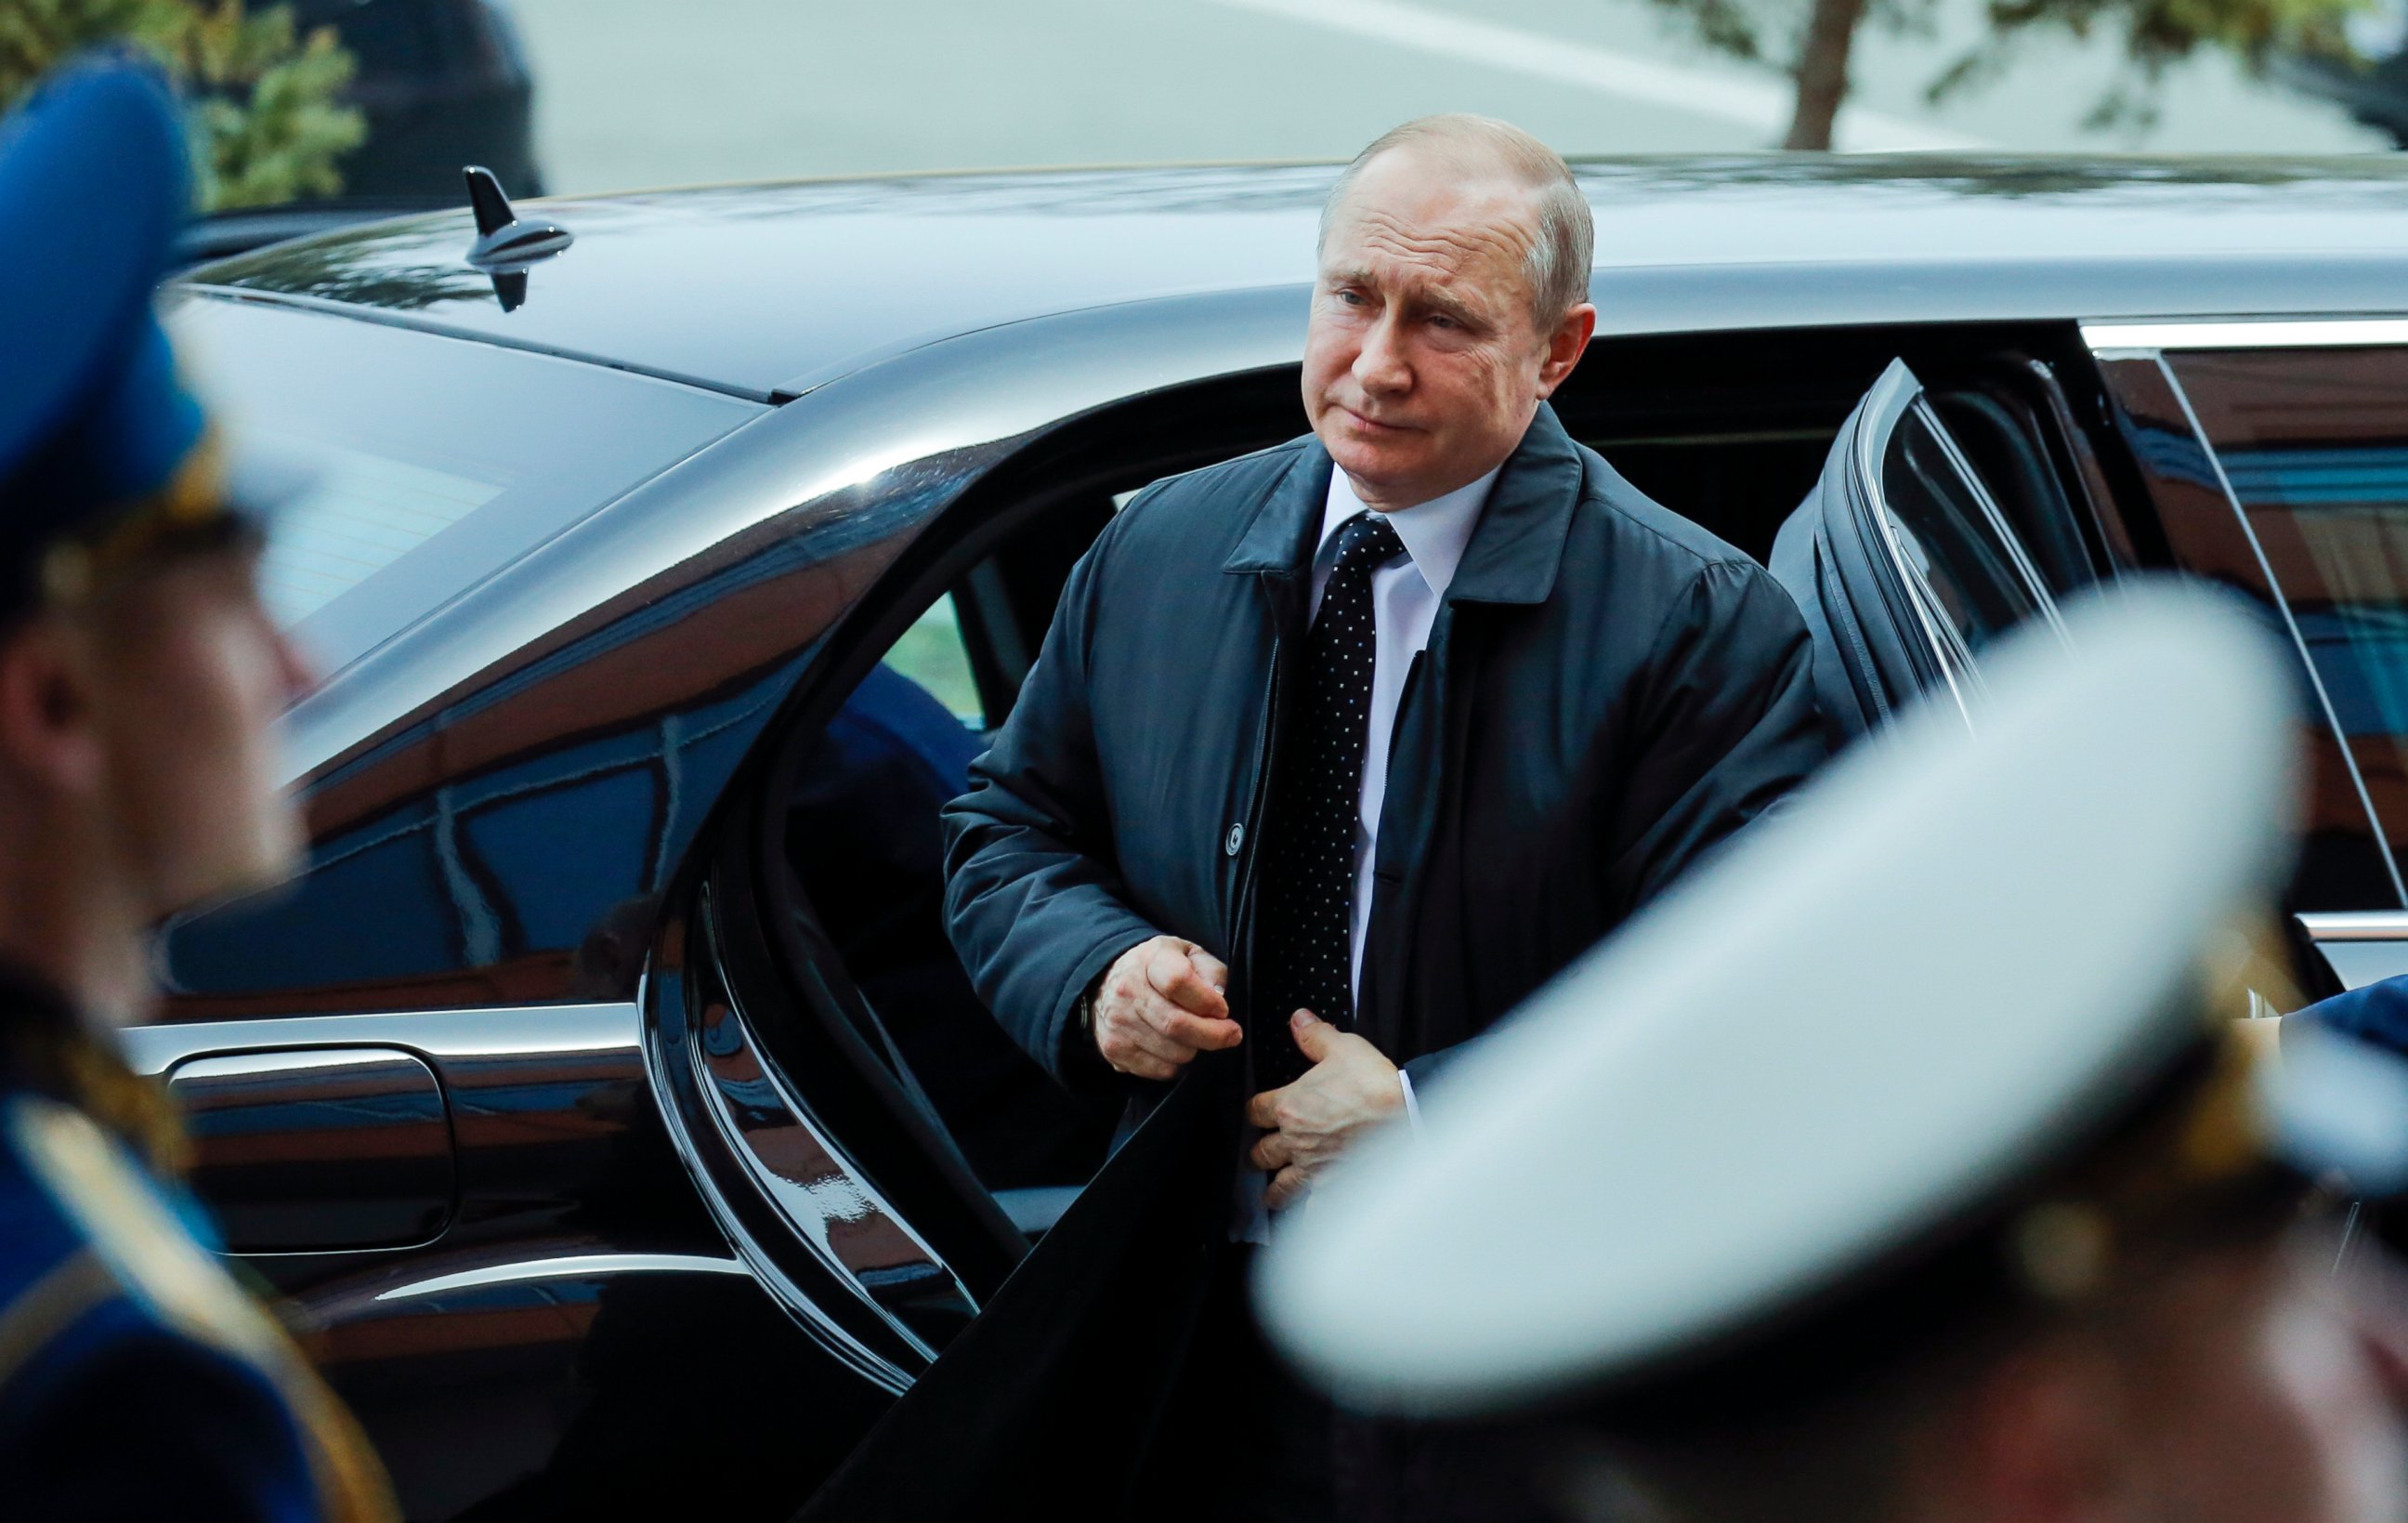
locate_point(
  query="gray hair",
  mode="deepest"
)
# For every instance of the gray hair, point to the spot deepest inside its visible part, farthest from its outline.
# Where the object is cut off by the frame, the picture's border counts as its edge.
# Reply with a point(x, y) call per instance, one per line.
point(1560, 261)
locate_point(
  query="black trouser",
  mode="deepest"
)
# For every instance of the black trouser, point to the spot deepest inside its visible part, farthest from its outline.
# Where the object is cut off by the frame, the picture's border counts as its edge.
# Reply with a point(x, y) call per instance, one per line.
point(1240, 1439)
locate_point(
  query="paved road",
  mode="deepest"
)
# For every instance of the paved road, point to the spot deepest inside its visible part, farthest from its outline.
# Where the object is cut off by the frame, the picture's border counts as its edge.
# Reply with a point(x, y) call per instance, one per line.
point(651, 93)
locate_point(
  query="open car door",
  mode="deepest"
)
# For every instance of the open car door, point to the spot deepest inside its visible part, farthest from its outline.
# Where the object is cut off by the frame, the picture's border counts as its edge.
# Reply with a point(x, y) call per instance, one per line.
point(1047, 1403)
point(1902, 562)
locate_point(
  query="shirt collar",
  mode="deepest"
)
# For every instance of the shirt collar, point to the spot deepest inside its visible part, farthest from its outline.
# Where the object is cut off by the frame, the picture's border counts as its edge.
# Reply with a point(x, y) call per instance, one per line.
point(1435, 533)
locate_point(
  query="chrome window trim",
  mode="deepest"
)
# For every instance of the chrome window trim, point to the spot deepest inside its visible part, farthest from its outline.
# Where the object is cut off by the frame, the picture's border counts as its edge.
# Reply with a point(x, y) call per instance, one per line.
point(485, 1032)
point(2359, 947)
point(1889, 402)
point(971, 398)
point(2282, 605)
point(245, 1065)
point(1893, 401)
point(2355, 925)
point(2139, 339)
point(570, 1267)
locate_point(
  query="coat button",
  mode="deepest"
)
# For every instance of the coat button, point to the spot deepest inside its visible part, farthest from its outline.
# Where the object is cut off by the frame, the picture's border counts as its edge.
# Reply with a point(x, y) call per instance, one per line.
point(1236, 839)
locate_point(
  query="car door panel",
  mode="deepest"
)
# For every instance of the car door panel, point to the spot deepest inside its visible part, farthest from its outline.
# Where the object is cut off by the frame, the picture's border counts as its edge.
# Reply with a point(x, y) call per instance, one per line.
point(1086, 1338)
point(577, 1291)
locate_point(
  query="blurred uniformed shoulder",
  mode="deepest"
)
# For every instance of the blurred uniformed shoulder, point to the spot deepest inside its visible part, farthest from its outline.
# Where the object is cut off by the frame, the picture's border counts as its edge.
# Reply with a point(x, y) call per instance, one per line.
point(125, 1418)
point(110, 1305)
point(84, 1352)
point(137, 1378)
point(122, 1220)
point(37, 1236)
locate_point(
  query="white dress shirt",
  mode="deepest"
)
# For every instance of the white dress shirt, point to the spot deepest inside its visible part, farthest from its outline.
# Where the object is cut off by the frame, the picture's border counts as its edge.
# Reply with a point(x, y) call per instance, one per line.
point(1405, 597)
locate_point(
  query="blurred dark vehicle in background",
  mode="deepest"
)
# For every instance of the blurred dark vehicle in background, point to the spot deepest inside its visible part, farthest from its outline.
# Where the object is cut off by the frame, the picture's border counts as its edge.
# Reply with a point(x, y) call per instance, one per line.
point(443, 83)
point(2375, 89)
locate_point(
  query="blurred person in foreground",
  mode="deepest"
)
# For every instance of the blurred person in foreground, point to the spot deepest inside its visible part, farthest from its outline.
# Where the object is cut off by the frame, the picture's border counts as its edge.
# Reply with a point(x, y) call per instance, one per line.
point(1957, 1199)
point(1337, 751)
point(141, 683)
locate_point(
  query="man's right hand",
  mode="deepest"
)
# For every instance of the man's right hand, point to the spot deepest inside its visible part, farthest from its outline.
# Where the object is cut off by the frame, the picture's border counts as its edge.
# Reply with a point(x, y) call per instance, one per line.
point(1159, 1005)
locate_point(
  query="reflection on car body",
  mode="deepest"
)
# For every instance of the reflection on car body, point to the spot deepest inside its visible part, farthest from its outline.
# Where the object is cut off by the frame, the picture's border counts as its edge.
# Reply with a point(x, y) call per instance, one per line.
point(609, 584)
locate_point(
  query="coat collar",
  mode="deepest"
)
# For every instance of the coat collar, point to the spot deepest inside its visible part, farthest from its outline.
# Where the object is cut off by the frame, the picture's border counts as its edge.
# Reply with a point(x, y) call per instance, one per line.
point(1514, 552)
point(1279, 543)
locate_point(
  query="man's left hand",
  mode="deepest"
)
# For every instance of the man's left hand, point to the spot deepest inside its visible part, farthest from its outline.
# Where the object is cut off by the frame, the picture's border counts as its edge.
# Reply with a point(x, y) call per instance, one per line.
point(1350, 1089)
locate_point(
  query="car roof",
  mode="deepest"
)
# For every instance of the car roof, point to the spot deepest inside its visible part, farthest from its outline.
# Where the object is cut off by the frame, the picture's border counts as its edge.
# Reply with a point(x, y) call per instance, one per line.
point(767, 290)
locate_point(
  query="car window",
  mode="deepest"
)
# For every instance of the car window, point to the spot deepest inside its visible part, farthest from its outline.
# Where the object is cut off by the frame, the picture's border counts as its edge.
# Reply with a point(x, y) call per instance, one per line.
point(439, 461)
point(2314, 445)
point(931, 654)
point(1944, 526)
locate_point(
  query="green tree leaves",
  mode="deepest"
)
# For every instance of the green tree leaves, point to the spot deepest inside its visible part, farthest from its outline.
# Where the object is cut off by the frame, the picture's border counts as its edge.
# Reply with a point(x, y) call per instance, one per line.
point(264, 103)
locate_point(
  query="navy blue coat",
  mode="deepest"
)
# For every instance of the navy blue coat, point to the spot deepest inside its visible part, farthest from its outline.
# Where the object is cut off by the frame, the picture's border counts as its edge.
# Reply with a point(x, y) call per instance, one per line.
point(1608, 693)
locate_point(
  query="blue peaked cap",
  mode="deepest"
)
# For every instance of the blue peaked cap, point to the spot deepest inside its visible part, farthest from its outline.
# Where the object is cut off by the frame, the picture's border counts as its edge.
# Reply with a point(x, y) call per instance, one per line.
point(94, 182)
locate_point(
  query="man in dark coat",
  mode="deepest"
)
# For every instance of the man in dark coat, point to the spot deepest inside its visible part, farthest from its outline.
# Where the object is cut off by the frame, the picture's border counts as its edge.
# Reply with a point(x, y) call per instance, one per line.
point(1336, 752)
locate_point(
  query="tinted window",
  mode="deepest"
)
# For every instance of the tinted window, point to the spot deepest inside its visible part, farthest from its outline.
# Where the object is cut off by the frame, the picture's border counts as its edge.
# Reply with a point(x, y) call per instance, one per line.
point(441, 460)
point(1945, 527)
point(2315, 447)
point(2316, 450)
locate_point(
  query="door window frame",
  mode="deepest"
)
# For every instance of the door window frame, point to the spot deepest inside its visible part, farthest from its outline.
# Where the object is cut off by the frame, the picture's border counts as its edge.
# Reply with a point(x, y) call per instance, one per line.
point(1895, 396)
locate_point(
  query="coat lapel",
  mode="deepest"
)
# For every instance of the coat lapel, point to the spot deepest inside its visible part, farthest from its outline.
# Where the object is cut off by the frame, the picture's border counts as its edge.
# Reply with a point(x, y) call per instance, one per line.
point(1277, 540)
point(1516, 549)
point(1518, 546)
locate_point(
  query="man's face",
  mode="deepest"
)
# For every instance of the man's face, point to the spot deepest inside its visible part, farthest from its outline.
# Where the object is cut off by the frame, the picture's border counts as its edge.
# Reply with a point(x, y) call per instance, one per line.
point(188, 679)
point(2265, 1390)
point(1424, 360)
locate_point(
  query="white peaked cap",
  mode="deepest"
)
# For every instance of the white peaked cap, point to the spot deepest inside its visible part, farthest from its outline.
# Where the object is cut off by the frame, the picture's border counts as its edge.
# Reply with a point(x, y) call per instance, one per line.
point(1898, 998)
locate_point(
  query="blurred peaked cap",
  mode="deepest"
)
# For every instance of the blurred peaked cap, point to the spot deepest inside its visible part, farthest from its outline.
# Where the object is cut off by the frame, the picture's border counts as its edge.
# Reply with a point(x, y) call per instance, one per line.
point(1959, 950)
point(94, 418)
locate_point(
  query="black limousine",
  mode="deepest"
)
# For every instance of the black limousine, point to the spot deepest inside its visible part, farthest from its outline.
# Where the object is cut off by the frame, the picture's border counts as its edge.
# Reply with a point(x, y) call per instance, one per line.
point(604, 1098)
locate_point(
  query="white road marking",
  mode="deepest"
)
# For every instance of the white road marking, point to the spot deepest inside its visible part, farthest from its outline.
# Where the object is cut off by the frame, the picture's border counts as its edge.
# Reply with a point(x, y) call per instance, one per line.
point(1762, 104)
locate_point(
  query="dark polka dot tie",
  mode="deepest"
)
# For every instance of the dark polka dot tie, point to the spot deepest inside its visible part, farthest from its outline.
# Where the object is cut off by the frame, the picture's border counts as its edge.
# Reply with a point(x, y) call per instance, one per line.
point(1304, 936)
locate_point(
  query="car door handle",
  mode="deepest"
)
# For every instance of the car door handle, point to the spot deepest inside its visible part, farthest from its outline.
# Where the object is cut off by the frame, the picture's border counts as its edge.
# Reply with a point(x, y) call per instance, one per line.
point(320, 1149)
